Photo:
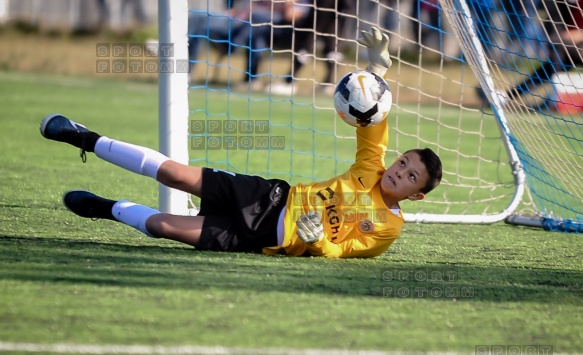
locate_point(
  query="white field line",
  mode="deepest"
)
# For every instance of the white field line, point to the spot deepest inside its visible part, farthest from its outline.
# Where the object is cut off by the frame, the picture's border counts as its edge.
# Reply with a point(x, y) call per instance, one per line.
point(186, 350)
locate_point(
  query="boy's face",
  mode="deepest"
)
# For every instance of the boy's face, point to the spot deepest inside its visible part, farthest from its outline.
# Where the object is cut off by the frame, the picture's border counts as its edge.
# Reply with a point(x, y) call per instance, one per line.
point(405, 178)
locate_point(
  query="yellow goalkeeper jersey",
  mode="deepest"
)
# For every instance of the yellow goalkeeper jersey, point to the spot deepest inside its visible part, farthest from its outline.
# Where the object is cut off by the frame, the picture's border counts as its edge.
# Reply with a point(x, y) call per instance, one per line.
point(357, 222)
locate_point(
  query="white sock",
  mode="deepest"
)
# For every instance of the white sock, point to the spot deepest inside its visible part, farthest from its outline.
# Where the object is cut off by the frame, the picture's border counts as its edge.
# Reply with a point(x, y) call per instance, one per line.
point(137, 159)
point(133, 215)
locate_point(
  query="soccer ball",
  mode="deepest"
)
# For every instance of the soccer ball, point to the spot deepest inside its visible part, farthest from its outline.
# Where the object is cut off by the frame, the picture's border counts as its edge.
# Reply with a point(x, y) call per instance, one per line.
point(362, 99)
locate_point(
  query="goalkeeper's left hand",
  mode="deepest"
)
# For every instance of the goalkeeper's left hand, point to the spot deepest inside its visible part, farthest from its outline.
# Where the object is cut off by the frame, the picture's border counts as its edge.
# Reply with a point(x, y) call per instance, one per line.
point(310, 229)
point(377, 44)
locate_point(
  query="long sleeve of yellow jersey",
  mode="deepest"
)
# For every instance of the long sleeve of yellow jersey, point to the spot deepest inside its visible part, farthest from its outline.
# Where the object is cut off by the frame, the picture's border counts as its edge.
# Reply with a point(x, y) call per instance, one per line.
point(361, 246)
point(371, 146)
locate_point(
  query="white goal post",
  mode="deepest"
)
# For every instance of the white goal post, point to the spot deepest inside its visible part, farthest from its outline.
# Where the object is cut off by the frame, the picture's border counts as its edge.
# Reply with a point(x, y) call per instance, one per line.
point(501, 154)
point(173, 95)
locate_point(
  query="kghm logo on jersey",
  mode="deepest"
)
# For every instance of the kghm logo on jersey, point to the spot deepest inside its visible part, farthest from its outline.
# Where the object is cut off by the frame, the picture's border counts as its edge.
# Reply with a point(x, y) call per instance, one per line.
point(331, 213)
point(366, 226)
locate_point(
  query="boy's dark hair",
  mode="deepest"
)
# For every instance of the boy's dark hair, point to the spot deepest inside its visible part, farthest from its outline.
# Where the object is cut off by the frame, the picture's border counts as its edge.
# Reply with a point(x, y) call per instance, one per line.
point(432, 164)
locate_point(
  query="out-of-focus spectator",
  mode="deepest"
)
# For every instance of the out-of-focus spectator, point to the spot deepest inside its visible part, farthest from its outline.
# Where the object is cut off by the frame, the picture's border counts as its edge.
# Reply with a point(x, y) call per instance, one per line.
point(324, 24)
point(275, 25)
point(422, 30)
point(524, 28)
point(509, 28)
point(136, 17)
point(563, 48)
point(256, 27)
point(103, 10)
point(390, 17)
point(483, 11)
point(428, 27)
point(219, 28)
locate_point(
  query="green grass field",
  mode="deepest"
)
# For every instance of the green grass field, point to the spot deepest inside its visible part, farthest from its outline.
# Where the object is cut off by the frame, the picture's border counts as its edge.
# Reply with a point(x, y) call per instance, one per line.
point(67, 280)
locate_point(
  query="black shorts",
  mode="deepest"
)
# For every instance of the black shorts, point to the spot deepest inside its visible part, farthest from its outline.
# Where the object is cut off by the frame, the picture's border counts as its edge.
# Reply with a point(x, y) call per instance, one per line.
point(240, 211)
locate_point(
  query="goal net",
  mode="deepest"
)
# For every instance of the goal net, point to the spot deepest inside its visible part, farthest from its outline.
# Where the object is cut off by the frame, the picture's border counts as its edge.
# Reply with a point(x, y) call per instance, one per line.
point(525, 55)
point(260, 101)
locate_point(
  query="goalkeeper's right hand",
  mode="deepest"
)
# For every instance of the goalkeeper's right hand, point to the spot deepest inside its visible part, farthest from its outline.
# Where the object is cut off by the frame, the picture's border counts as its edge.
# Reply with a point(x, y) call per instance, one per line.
point(377, 44)
point(310, 229)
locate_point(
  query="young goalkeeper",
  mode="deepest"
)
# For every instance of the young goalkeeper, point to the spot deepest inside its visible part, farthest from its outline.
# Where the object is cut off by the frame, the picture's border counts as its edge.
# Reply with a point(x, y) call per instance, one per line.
point(356, 214)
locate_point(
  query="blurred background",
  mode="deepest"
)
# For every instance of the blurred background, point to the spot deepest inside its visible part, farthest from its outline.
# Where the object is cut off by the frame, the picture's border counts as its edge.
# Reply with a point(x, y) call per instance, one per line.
point(60, 36)
point(137, 19)
point(91, 16)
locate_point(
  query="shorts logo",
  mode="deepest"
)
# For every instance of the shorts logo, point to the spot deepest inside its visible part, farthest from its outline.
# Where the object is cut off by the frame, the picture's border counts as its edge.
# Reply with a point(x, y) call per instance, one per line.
point(366, 226)
point(277, 195)
point(224, 171)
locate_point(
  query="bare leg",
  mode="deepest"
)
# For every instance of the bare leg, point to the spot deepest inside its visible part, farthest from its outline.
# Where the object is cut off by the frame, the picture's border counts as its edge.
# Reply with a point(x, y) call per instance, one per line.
point(183, 229)
point(181, 177)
